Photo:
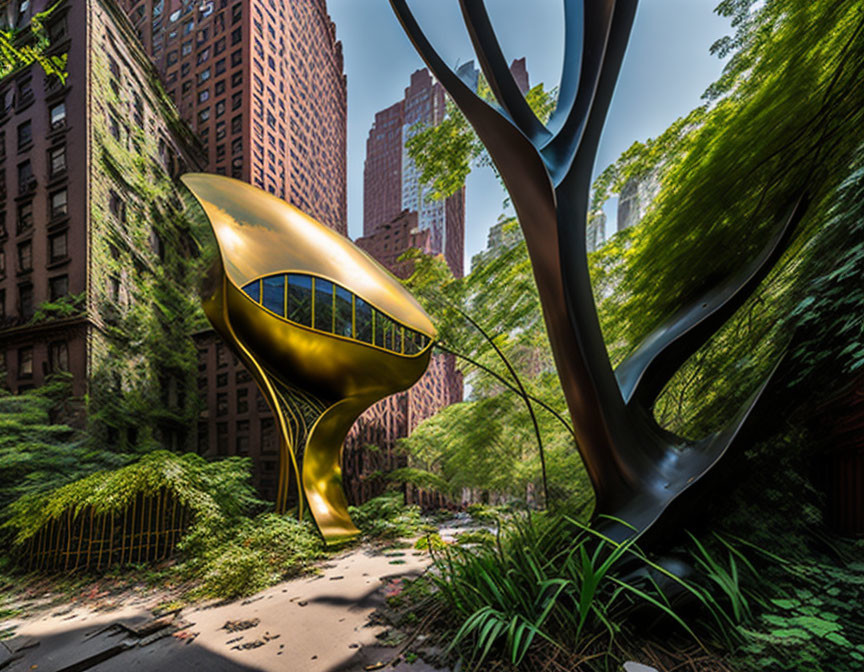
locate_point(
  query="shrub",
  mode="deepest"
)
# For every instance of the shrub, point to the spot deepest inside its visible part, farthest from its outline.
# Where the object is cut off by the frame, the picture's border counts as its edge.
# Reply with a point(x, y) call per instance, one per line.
point(388, 517)
point(249, 556)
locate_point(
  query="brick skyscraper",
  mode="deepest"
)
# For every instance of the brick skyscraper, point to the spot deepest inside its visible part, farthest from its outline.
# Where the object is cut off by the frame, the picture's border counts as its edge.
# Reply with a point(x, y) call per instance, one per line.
point(391, 180)
point(262, 84)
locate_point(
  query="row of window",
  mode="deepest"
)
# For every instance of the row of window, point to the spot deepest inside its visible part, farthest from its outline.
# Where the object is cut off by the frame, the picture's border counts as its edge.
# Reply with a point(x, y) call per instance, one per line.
point(58, 359)
point(58, 287)
point(328, 307)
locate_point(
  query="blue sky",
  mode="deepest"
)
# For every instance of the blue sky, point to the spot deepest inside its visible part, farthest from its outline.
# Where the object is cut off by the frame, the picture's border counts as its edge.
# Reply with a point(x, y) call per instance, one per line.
point(664, 74)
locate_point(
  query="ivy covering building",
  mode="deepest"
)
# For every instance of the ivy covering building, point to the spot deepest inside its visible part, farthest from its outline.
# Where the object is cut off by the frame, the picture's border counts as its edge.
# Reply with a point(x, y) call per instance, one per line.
point(96, 252)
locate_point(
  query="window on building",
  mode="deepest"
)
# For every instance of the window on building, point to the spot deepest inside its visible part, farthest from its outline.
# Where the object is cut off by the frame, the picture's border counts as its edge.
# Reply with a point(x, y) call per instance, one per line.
point(237, 124)
point(242, 400)
point(221, 355)
point(25, 362)
point(269, 439)
point(2, 263)
point(2, 314)
point(203, 55)
point(184, 69)
point(188, 26)
point(25, 135)
point(171, 58)
point(57, 161)
point(237, 146)
point(58, 287)
point(236, 12)
point(237, 100)
point(25, 256)
point(117, 206)
point(58, 247)
point(237, 78)
point(204, 115)
point(203, 76)
point(57, 30)
point(25, 217)
point(242, 444)
point(25, 300)
point(186, 48)
point(58, 205)
point(58, 353)
point(204, 96)
point(219, 47)
point(236, 58)
point(114, 127)
point(220, 66)
point(25, 91)
point(221, 403)
point(26, 182)
point(222, 438)
point(219, 88)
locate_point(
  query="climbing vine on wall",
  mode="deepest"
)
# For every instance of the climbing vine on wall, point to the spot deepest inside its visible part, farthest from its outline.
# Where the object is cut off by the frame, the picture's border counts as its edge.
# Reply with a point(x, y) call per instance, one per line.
point(143, 264)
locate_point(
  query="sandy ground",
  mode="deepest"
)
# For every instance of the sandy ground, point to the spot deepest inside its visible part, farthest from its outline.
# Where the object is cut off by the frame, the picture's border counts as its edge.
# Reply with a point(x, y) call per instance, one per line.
point(318, 623)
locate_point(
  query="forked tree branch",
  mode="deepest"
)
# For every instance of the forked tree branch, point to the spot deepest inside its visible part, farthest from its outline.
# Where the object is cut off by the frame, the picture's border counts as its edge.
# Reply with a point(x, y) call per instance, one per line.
point(498, 74)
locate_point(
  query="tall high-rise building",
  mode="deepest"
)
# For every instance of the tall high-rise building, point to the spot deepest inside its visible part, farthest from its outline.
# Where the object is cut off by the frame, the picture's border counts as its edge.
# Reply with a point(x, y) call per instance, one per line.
point(87, 197)
point(391, 180)
point(262, 84)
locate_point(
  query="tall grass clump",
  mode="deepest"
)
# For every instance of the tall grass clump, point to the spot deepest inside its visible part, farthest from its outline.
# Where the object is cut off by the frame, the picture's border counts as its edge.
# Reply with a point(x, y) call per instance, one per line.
point(551, 583)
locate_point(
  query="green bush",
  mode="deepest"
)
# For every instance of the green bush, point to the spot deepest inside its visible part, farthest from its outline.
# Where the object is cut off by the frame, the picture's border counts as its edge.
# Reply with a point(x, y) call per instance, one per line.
point(249, 556)
point(215, 492)
point(387, 517)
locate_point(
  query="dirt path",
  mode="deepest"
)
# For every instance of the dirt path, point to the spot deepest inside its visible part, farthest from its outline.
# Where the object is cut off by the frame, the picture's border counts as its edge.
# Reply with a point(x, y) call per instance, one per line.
point(318, 623)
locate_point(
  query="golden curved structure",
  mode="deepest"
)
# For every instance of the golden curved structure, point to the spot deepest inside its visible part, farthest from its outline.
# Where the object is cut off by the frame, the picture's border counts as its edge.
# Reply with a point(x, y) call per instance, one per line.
point(322, 327)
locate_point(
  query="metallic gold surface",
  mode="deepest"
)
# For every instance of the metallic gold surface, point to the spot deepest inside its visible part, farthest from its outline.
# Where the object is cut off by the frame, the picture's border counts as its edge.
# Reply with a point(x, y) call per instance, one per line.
point(317, 383)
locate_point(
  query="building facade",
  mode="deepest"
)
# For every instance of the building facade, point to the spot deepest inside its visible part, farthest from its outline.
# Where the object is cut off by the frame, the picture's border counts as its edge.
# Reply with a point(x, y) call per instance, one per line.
point(87, 197)
point(263, 86)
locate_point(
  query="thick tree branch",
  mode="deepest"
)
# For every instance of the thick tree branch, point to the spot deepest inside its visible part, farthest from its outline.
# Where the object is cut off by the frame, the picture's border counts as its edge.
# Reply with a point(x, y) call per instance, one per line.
point(498, 74)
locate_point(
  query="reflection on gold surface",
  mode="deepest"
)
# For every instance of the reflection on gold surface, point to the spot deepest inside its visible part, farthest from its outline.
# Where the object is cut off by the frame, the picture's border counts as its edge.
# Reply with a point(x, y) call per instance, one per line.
point(324, 330)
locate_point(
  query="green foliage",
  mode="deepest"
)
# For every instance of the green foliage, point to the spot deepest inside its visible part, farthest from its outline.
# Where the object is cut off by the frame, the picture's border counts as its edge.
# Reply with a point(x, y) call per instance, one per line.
point(143, 387)
point(444, 153)
point(213, 491)
point(387, 517)
point(552, 582)
point(36, 453)
point(66, 306)
point(488, 442)
point(471, 537)
point(430, 542)
point(829, 330)
point(21, 47)
point(249, 555)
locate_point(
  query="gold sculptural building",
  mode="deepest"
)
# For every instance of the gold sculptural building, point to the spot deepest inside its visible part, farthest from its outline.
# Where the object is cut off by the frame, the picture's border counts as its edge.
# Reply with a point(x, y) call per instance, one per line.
point(323, 328)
